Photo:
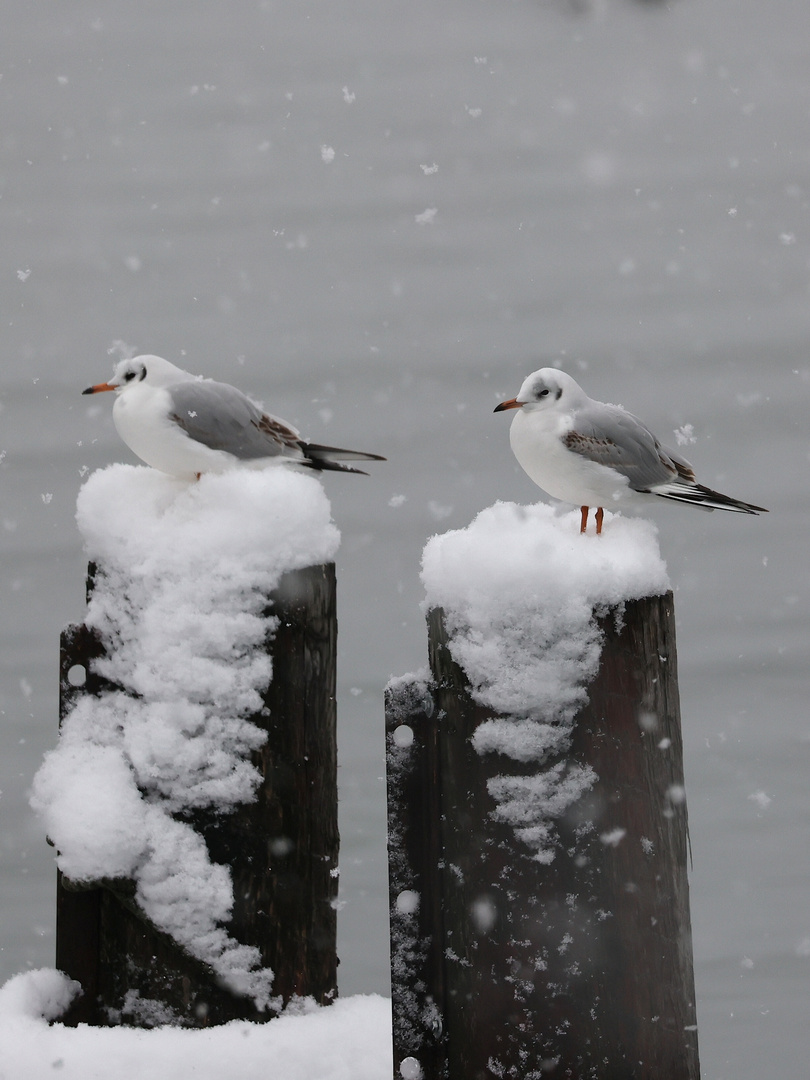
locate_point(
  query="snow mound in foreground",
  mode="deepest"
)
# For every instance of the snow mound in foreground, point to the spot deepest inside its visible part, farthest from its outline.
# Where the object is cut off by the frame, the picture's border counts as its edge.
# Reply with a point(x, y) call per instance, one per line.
point(349, 1040)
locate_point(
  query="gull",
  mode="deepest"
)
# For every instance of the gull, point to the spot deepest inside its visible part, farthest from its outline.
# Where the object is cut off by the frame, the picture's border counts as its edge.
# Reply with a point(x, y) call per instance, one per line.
point(592, 454)
point(186, 425)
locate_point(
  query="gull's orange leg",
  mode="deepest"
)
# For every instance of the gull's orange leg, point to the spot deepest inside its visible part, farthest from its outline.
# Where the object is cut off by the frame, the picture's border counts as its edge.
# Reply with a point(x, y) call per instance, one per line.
point(600, 513)
point(584, 524)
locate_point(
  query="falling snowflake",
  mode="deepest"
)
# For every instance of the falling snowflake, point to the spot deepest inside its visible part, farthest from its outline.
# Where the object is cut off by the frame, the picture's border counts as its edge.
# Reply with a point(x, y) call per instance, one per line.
point(427, 217)
point(685, 434)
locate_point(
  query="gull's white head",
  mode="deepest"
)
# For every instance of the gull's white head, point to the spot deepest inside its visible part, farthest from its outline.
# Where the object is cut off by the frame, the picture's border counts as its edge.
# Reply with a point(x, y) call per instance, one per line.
point(152, 370)
point(546, 388)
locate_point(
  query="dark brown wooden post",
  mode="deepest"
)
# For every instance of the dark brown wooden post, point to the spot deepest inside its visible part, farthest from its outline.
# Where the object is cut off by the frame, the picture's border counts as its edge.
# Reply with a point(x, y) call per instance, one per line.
point(581, 968)
point(282, 848)
point(414, 870)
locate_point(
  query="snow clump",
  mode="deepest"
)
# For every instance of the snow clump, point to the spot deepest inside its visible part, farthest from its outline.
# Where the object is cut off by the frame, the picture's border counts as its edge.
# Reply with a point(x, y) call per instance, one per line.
point(180, 603)
point(522, 590)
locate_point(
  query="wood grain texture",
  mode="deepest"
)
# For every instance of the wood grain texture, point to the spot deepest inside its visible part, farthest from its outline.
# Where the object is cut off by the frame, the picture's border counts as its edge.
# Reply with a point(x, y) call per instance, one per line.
point(282, 848)
point(581, 968)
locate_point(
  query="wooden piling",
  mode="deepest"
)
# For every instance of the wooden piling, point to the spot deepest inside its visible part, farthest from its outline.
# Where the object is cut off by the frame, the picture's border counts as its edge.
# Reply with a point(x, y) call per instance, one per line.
point(503, 966)
point(282, 848)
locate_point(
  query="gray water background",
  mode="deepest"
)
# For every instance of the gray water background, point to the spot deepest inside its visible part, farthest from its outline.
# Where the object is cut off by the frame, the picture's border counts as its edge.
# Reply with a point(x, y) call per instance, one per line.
point(617, 184)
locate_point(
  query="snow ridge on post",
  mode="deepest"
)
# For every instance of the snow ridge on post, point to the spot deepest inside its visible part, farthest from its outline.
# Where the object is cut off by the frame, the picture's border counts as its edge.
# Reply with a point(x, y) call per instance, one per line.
point(545, 924)
point(165, 748)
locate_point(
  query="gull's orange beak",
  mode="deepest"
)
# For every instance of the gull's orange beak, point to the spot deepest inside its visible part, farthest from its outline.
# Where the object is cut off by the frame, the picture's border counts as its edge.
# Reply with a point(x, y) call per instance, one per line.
point(97, 389)
point(512, 403)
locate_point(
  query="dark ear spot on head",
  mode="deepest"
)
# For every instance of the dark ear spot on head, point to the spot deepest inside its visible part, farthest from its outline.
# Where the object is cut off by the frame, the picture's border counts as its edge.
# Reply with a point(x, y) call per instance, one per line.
point(559, 393)
point(143, 373)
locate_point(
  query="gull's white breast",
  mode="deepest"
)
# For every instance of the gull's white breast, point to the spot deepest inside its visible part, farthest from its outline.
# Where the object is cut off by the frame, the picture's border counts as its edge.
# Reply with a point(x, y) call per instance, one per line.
point(141, 417)
point(537, 443)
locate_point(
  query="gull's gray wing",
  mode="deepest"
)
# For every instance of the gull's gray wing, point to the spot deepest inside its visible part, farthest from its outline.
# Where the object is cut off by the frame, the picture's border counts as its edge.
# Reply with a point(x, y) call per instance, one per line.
point(223, 418)
point(608, 435)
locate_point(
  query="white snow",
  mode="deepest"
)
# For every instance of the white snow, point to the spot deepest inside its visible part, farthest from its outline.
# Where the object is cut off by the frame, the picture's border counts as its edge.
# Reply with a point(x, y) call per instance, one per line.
point(36, 995)
point(614, 837)
point(179, 602)
point(410, 1069)
point(521, 591)
point(685, 435)
point(349, 1040)
point(761, 798)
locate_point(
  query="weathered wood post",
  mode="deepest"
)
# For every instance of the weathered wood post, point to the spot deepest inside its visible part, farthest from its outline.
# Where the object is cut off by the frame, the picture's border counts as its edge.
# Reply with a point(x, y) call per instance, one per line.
point(282, 848)
point(505, 966)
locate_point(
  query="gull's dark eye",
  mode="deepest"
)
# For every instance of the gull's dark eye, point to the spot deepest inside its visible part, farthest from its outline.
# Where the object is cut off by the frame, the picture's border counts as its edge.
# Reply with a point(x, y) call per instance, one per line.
point(130, 375)
point(542, 393)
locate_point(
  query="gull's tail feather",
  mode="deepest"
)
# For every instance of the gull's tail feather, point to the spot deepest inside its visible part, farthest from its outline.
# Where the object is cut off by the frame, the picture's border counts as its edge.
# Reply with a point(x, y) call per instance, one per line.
point(324, 458)
point(705, 499)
